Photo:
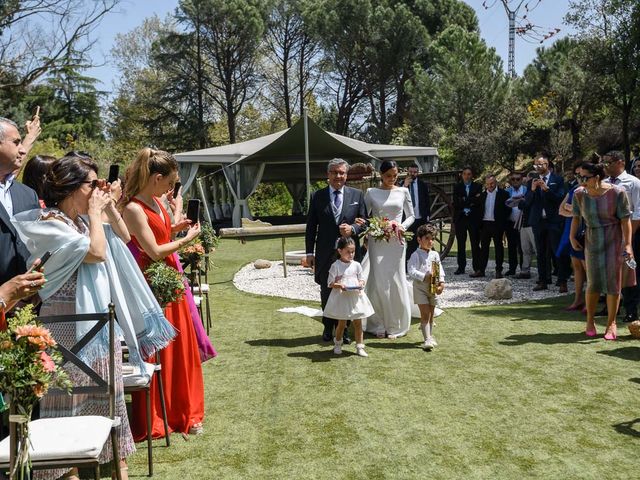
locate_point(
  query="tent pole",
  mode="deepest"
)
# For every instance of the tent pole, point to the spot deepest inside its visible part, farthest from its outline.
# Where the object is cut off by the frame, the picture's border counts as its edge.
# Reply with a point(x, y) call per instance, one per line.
point(306, 158)
point(207, 214)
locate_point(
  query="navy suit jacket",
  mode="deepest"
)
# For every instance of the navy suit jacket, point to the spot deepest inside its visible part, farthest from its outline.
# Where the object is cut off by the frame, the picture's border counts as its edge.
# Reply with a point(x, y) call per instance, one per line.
point(322, 230)
point(500, 210)
point(13, 260)
point(473, 201)
point(424, 203)
point(549, 201)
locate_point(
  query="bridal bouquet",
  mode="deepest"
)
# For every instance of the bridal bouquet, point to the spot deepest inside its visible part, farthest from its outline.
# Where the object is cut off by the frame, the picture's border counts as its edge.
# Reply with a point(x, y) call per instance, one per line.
point(29, 365)
point(384, 229)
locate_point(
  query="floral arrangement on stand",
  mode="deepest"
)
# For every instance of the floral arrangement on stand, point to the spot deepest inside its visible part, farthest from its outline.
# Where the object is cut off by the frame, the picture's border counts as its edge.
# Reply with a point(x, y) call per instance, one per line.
point(383, 229)
point(29, 366)
point(191, 254)
point(208, 237)
point(165, 283)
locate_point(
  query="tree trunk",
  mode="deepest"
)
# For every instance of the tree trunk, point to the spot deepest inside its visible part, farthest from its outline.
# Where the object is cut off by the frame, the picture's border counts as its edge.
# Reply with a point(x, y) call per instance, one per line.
point(576, 148)
point(626, 115)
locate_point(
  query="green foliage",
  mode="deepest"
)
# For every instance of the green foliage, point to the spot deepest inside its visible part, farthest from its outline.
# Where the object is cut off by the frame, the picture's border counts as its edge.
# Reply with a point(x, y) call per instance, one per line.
point(208, 237)
point(271, 199)
point(165, 282)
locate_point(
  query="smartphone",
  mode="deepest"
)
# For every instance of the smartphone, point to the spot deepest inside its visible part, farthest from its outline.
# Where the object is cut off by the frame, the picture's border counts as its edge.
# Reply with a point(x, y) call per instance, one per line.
point(114, 173)
point(43, 260)
point(37, 114)
point(176, 189)
point(193, 210)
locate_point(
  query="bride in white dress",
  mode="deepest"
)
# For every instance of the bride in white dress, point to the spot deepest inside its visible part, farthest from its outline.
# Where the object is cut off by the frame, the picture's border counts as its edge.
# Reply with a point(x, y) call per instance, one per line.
point(387, 287)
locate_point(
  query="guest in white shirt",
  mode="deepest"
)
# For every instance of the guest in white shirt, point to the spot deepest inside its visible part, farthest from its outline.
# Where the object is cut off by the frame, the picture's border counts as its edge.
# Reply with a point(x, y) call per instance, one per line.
point(494, 220)
point(614, 167)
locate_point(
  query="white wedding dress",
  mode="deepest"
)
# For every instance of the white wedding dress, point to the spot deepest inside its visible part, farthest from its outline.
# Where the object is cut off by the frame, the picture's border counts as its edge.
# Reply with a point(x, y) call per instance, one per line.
point(384, 265)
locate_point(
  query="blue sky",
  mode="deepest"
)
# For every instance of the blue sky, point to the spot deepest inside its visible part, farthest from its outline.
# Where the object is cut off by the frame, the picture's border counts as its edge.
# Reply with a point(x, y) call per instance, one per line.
point(494, 29)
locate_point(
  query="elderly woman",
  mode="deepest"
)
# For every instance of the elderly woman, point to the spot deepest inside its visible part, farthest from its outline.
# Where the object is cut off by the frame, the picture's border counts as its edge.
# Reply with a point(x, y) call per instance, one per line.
point(78, 282)
point(607, 217)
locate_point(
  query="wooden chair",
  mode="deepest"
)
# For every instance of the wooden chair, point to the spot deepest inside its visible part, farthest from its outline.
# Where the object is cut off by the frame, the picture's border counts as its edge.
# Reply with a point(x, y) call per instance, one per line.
point(73, 441)
point(141, 381)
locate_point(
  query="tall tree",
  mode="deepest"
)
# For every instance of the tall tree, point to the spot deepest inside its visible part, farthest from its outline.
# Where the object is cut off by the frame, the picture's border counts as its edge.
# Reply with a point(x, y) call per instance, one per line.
point(288, 73)
point(612, 30)
point(38, 36)
point(559, 85)
point(230, 32)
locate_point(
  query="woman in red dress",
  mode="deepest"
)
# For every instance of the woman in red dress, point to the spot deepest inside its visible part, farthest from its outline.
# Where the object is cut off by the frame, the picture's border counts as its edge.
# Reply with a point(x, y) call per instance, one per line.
point(152, 174)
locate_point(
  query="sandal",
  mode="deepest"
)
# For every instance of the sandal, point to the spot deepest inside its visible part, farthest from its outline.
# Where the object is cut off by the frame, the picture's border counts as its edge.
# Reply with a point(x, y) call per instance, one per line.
point(196, 429)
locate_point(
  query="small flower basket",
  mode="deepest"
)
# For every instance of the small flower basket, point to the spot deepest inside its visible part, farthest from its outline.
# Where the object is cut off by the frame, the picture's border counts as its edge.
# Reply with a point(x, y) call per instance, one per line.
point(165, 283)
point(634, 329)
point(383, 229)
point(29, 366)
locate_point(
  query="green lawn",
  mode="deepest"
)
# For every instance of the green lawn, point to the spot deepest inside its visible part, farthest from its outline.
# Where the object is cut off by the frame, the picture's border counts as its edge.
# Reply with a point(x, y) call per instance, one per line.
point(511, 392)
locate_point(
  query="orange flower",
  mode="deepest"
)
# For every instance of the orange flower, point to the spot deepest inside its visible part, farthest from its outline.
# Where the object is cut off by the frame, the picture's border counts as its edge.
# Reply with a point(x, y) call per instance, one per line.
point(39, 390)
point(6, 345)
point(36, 335)
point(47, 362)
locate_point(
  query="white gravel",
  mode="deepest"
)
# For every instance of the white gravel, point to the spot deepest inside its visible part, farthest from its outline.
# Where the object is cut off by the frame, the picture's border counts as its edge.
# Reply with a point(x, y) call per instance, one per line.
point(460, 290)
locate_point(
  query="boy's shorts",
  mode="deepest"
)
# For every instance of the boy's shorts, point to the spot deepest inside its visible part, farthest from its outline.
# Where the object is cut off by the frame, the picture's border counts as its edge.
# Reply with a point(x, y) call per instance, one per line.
point(421, 294)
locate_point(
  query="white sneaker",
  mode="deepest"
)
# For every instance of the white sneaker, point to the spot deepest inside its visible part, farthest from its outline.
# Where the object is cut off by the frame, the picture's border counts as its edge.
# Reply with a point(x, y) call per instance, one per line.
point(360, 350)
point(433, 341)
point(337, 349)
point(428, 345)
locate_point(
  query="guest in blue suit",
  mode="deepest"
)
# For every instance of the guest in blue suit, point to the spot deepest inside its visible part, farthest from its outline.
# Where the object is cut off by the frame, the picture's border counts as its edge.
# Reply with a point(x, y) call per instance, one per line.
point(14, 198)
point(543, 198)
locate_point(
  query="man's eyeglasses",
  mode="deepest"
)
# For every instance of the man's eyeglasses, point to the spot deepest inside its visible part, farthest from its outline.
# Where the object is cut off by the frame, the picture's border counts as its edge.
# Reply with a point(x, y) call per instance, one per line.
point(611, 161)
point(515, 179)
point(92, 183)
point(584, 178)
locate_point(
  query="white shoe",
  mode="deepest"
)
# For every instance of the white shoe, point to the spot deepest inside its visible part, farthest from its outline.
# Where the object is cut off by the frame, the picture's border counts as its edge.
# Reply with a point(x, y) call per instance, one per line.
point(337, 349)
point(360, 350)
point(433, 341)
point(428, 345)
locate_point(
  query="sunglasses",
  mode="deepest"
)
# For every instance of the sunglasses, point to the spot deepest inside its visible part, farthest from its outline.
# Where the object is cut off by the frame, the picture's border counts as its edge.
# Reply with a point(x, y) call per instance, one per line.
point(515, 179)
point(584, 178)
point(93, 183)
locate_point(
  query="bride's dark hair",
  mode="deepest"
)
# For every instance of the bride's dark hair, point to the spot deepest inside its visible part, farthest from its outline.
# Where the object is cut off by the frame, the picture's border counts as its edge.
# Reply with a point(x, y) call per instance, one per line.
point(387, 165)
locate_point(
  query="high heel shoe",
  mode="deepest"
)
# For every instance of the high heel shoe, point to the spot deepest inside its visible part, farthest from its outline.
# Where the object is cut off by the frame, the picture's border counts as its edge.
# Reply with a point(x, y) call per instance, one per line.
point(591, 333)
point(611, 333)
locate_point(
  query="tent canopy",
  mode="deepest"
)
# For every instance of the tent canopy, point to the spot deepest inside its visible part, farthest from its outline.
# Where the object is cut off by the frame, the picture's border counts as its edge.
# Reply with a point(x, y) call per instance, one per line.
point(280, 157)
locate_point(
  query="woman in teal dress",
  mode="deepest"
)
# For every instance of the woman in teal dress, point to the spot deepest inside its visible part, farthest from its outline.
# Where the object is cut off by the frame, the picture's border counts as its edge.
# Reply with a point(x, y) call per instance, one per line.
point(607, 215)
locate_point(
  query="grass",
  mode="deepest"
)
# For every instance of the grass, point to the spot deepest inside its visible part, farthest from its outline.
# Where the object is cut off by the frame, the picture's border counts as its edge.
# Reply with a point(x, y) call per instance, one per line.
point(511, 392)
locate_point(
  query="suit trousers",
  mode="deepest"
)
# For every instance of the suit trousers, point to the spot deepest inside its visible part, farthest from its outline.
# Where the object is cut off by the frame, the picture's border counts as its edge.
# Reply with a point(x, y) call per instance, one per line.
point(513, 245)
point(463, 226)
point(528, 246)
point(547, 238)
point(631, 295)
point(489, 232)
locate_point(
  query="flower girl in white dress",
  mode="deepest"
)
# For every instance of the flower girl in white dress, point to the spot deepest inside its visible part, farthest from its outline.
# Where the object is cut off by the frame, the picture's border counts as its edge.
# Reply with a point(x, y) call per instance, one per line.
point(347, 300)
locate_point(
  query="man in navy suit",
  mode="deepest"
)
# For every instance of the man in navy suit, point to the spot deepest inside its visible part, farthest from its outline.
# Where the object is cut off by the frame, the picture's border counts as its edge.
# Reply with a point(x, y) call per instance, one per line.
point(467, 211)
point(543, 198)
point(332, 213)
point(419, 190)
point(14, 198)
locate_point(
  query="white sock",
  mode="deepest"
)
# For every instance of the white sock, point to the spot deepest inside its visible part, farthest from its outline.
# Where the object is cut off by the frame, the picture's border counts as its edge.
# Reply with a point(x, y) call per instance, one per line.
point(429, 329)
point(423, 329)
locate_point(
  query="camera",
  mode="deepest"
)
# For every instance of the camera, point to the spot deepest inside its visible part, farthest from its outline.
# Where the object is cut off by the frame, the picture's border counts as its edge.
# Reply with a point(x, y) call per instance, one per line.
point(533, 176)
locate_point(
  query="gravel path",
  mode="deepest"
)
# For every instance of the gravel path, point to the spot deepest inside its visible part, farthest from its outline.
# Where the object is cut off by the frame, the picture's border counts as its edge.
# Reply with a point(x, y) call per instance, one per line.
point(460, 290)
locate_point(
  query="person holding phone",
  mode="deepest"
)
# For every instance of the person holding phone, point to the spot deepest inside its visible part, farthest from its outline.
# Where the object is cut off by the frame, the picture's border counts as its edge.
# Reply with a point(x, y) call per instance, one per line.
point(152, 174)
point(19, 288)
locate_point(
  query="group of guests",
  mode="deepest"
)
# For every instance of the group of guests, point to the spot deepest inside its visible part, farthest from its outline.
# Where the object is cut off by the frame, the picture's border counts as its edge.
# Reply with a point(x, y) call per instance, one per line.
point(583, 224)
point(376, 295)
point(102, 237)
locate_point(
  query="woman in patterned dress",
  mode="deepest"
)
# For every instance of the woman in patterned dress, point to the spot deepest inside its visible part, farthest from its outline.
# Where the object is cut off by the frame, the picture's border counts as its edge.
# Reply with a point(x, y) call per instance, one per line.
point(607, 216)
point(78, 282)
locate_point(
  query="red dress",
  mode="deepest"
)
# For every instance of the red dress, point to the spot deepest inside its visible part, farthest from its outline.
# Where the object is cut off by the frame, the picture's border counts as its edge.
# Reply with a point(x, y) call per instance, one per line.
point(181, 368)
